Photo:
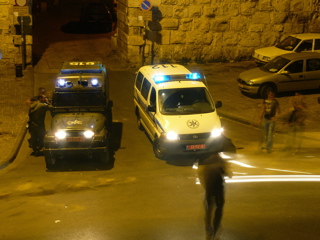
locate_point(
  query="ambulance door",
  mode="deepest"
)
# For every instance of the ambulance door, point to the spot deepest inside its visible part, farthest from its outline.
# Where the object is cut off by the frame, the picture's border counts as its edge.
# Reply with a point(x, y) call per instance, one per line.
point(151, 111)
point(144, 103)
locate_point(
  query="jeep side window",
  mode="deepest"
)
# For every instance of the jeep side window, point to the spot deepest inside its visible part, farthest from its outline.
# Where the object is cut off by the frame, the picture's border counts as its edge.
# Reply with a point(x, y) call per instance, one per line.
point(145, 88)
point(139, 80)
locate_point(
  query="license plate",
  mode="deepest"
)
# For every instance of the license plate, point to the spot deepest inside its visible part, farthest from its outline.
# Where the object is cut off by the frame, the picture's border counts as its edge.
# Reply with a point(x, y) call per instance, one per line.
point(195, 147)
point(75, 139)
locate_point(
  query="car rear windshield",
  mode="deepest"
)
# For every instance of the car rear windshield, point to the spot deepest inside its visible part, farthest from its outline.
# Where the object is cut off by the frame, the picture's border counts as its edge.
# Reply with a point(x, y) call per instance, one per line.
point(185, 101)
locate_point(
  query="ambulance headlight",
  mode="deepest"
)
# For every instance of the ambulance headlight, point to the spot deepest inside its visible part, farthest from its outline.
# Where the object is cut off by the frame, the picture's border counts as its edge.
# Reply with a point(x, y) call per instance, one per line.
point(60, 134)
point(62, 83)
point(216, 132)
point(172, 136)
point(88, 134)
point(94, 82)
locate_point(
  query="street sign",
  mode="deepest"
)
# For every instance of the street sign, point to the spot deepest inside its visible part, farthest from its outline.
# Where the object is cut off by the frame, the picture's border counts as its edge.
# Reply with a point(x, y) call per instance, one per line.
point(21, 11)
point(145, 15)
point(145, 5)
point(21, 3)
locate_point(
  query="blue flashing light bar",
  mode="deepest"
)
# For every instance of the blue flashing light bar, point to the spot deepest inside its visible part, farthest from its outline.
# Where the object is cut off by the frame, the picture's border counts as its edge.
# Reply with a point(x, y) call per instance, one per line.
point(161, 78)
point(193, 76)
point(180, 77)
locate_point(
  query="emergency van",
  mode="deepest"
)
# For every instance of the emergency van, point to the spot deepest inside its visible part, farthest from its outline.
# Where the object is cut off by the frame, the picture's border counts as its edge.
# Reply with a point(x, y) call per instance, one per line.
point(81, 114)
point(174, 107)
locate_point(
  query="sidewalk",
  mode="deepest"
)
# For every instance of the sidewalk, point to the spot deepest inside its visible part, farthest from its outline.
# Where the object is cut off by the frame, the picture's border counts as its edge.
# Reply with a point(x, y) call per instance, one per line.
point(221, 79)
point(14, 113)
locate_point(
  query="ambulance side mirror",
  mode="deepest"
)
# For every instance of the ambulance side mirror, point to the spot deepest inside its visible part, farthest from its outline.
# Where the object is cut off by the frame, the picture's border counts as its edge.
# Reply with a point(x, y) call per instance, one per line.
point(218, 104)
point(151, 108)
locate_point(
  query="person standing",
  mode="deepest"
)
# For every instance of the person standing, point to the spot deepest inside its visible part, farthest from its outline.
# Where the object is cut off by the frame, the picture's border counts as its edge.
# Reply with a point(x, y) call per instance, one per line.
point(211, 171)
point(269, 113)
point(37, 114)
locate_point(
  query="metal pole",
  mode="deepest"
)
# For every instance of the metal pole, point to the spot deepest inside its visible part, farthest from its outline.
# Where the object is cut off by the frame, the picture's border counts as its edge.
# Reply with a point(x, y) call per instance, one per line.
point(23, 46)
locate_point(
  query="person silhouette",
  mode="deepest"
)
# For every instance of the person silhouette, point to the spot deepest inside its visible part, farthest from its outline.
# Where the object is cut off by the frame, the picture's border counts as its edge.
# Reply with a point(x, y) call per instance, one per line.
point(211, 171)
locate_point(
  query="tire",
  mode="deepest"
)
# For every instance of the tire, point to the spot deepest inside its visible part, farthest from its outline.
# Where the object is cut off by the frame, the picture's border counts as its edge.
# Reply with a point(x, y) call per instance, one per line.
point(158, 151)
point(51, 161)
point(104, 159)
point(263, 91)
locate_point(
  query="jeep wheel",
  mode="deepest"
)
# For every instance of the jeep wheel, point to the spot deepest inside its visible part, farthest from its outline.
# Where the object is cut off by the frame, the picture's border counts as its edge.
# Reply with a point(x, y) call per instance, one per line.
point(50, 161)
point(158, 152)
point(104, 158)
point(263, 91)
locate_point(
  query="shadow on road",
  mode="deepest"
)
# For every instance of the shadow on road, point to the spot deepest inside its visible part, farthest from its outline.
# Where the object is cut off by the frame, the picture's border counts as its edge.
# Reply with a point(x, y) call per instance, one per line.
point(86, 28)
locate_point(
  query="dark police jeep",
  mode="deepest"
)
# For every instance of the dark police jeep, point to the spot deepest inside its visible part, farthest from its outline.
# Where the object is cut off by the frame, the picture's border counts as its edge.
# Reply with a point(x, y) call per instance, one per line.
point(81, 114)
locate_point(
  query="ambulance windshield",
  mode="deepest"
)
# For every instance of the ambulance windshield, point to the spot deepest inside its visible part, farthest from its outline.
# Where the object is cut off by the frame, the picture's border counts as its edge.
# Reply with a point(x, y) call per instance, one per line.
point(184, 101)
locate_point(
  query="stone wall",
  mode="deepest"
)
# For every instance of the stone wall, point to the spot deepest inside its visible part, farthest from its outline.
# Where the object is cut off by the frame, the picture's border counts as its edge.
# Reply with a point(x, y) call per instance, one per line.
point(11, 39)
point(209, 30)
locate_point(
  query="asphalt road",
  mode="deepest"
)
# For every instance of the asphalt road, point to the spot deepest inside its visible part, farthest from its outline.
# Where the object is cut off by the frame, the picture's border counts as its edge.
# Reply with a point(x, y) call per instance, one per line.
point(141, 197)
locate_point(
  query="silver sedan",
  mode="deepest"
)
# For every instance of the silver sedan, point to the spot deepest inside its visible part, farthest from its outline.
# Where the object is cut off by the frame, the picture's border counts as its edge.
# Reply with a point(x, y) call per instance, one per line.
point(288, 72)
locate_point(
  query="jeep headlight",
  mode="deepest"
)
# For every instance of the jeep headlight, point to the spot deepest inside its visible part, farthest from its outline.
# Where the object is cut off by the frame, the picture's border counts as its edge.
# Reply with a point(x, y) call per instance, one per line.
point(60, 134)
point(88, 134)
point(216, 132)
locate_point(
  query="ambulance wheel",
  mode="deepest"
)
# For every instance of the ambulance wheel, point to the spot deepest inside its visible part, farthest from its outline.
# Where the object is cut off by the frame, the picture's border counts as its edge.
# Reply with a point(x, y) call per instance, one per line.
point(50, 161)
point(158, 151)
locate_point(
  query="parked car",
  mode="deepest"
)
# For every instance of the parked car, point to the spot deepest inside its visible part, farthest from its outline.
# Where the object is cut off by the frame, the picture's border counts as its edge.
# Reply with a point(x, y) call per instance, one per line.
point(288, 72)
point(304, 42)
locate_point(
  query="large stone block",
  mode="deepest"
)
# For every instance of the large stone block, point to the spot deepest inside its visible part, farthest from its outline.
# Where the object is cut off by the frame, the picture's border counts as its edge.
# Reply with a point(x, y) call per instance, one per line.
point(239, 23)
point(169, 2)
point(169, 24)
point(278, 17)
point(261, 17)
point(250, 40)
point(296, 5)
point(247, 8)
point(210, 12)
point(217, 25)
point(256, 28)
point(177, 37)
point(166, 11)
point(180, 12)
point(281, 5)
point(265, 5)
point(186, 24)
point(194, 11)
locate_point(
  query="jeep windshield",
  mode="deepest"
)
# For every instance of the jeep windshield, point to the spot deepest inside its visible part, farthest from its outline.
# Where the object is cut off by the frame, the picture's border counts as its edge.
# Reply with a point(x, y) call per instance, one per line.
point(184, 101)
point(78, 99)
